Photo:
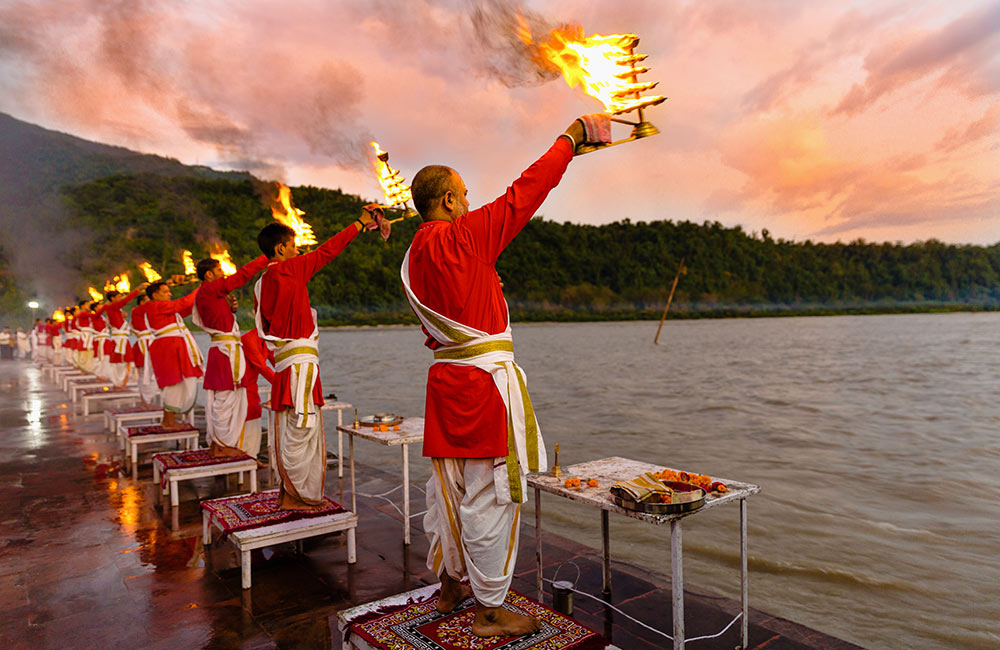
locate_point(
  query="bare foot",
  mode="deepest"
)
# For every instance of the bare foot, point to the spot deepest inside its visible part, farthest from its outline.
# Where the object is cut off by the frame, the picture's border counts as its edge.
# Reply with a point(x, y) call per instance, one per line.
point(218, 451)
point(169, 420)
point(294, 504)
point(497, 621)
point(453, 593)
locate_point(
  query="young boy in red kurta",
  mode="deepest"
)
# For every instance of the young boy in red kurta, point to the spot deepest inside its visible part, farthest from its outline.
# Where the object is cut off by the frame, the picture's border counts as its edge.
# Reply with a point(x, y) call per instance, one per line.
point(174, 353)
point(225, 398)
point(287, 322)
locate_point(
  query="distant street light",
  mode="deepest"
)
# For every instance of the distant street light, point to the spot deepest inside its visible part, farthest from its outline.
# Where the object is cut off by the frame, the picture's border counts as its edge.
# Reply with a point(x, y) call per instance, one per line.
point(33, 304)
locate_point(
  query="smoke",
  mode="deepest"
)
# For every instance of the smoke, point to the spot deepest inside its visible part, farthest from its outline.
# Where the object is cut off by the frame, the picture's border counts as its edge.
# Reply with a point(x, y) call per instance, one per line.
point(504, 54)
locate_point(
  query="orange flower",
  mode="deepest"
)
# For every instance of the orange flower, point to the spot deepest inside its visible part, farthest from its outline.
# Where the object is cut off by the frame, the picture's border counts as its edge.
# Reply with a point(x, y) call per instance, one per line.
point(592, 483)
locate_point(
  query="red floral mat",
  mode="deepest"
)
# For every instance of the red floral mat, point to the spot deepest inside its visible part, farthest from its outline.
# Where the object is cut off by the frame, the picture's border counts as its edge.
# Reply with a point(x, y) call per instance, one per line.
point(419, 626)
point(157, 428)
point(260, 509)
point(192, 458)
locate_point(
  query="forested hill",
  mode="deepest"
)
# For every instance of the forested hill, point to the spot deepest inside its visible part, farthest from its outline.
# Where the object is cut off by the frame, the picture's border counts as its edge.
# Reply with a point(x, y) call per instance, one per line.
point(551, 270)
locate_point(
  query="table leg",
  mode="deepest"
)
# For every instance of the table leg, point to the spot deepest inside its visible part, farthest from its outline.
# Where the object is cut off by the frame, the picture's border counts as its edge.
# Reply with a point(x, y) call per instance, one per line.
point(352, 552)
point(406, 496)
point(174, 498)
point(253, 480)
point(135, 461)
point(744, 590)
point(206, 538)
point(354, 498)
point(340, 444)
point(538, 543)
point(677, 581)
point(606, 555)
point(245, 567)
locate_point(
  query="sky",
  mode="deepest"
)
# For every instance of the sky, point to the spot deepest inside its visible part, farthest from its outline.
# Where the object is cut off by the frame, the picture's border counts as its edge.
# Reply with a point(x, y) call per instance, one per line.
point(824, 120)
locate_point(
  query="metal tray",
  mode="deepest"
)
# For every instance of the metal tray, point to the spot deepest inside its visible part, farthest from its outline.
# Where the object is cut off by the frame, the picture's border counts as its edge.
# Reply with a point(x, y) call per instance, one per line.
point(686, 497)
point(381, 419)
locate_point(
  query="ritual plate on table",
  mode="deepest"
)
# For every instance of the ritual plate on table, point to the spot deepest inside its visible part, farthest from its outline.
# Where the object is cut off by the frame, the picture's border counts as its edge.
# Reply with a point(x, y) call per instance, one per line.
point(381, 420)
point(685, 498)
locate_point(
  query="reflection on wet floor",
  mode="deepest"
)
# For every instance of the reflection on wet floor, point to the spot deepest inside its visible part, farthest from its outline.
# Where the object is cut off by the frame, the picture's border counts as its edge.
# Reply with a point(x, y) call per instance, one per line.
point(91, 559)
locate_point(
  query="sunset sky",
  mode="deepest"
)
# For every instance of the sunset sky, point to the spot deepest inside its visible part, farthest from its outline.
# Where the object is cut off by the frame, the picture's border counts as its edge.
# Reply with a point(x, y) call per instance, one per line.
point(824, 120)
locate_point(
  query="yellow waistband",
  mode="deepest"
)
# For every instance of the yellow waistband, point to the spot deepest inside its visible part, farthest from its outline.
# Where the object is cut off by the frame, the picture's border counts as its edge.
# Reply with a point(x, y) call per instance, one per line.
point(474, 350)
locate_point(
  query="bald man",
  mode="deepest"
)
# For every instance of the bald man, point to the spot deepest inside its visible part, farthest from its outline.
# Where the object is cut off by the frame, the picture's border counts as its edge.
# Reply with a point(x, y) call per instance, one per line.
point(480, 429)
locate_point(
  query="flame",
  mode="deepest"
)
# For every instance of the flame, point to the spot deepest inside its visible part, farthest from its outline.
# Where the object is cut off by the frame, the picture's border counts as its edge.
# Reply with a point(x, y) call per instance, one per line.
point(395, 190)
point(226, 262)
point(147, 270)
point(95, 294)
point(603, 66)
point(189, 268)
point(291, 216)
point(58, 316)
point(122, 284)
point(109, 286)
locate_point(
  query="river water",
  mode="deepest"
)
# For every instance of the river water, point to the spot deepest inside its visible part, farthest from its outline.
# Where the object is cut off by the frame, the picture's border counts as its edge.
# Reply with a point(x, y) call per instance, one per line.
point(875, 440)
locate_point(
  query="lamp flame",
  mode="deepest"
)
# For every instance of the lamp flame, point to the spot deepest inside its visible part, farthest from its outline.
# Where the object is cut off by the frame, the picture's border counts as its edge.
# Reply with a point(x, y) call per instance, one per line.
point(221, 255)
point(189, 268)
point(286, 213)
point(604, 66)
point(147, 270)
point(58, 316)
point(95, 294)
point(119, 283)
point(395, 189)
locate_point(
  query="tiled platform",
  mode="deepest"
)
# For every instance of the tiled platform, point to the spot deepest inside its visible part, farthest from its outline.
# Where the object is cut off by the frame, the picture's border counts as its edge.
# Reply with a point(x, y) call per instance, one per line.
point(87, 559)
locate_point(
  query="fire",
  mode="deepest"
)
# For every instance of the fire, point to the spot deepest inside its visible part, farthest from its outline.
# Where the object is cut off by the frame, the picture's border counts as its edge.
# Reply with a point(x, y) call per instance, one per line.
point(119, 283)
point(147, 270)
point(189, 268)
point(395, 190)
point(284, 212)
point(122, 284)
point(95, 294)
point(58, 316)
point(226, 262)
point(604, 66)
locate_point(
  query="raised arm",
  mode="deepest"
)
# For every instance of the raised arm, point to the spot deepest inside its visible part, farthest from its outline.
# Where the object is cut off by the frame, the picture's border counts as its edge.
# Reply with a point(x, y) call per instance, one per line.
point(241, 277)
point(307, 265)
point(180, 306)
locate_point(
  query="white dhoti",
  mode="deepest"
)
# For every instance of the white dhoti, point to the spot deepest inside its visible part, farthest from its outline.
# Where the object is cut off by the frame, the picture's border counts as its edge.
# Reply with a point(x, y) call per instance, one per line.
point(250, 440)
point(301, 456)
point(148, 388)
point(118, 372)
point(225, 414)
point(471, 533)
point(180, 397)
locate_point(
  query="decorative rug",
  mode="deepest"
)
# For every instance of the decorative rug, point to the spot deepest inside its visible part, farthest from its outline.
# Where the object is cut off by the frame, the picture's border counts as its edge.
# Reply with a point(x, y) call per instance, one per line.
point(419, 626)
point(260, 509)
point(157, 428)
point(192, 458)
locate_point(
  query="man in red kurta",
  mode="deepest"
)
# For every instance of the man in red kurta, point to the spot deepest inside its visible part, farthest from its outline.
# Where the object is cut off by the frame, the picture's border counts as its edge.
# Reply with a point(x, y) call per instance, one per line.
point(116, 344)
point(479, 428)
point(175, 355)
point(139, 351)
point(225, 398)
point(287, 322)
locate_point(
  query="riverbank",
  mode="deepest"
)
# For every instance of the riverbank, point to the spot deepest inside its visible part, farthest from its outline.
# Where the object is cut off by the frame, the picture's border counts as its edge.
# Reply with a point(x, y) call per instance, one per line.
point(90, 561)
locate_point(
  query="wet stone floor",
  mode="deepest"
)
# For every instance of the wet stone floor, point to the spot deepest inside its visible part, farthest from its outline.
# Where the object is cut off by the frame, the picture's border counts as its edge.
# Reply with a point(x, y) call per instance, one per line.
point(90, 559)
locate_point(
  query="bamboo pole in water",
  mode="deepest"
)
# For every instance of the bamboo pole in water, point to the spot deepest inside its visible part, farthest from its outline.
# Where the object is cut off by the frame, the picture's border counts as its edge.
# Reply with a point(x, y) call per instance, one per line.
point(680, 269)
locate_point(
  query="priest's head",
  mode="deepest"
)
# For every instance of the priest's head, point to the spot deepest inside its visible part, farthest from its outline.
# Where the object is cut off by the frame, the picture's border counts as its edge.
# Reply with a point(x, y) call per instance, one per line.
point(158, 290)
point(209, 270)
point(277, 242)
point(439, 194)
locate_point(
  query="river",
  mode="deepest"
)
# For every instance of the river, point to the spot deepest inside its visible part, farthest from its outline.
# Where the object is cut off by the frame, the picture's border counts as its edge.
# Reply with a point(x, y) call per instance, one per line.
point(875, 440)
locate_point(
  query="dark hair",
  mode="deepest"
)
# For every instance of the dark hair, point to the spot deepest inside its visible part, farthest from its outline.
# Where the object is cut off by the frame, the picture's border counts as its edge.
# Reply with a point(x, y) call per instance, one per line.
point(111, 295)
point(272, 235)
point(431, 182)
point(151, 289)
point(141, 298)
point(204, 266)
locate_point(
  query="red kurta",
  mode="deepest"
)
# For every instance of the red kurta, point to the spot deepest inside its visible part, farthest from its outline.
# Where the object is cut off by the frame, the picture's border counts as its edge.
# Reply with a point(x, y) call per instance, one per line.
point(257, 356)
point(214, 310)
point(452, 271)
point(113, 312)
point(169, 355)
point(284, 305)
point(138, 320)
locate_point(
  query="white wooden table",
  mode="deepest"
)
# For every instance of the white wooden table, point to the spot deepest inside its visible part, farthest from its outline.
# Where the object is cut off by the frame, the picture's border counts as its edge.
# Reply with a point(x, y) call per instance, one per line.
point(132, 441)
point(175, 475)
point(115, 420)
point(89, 398)
point(63, 375)
point(247, 540)
point(410, 431)
point(607, 472)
